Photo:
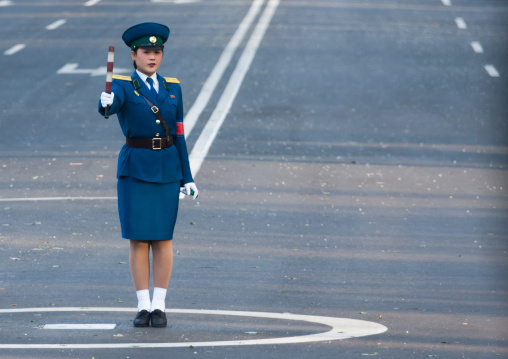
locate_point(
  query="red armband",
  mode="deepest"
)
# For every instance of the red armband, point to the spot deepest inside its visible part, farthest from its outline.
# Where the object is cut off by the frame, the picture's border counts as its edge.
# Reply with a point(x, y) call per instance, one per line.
point(179, 128)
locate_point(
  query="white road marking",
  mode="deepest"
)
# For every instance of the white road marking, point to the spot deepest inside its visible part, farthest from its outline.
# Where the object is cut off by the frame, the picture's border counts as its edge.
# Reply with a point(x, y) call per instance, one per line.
point(79, 326)
point(461, 23)
point(56, 24)
point(207, 136)
point(341, 328)
point(477, 47)
point(91, 2)
point(492, 71)
point(446, 2)
point(213, 79)
point(14, 49)
point(100, 71)
point(6, 3)
point(55, 199)
point(176, 1)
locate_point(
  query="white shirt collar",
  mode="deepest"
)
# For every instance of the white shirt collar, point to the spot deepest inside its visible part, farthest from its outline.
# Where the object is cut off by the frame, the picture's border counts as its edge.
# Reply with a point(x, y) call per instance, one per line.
point(153, 77)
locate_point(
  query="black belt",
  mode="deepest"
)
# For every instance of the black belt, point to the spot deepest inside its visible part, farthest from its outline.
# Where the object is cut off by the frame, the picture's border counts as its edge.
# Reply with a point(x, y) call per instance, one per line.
point(152, 143)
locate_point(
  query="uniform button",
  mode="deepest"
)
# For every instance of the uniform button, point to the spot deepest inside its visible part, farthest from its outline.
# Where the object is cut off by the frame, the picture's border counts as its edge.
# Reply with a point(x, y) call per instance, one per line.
point(157, 122)
point(156, 135)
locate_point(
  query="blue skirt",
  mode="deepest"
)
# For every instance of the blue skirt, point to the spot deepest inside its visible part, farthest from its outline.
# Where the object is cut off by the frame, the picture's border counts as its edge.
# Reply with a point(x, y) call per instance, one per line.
point(147, 210)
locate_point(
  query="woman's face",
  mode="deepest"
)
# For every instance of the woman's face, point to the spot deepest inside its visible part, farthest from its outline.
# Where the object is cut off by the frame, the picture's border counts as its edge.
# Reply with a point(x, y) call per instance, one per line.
point(147, 60)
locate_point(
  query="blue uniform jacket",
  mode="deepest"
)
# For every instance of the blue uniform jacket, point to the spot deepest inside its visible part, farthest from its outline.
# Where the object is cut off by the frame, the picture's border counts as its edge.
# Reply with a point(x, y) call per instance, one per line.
point(171, 164)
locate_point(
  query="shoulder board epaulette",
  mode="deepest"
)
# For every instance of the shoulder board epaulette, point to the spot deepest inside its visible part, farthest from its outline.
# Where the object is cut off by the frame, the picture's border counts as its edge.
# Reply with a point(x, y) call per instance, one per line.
point(123, 78)
point(172, 80)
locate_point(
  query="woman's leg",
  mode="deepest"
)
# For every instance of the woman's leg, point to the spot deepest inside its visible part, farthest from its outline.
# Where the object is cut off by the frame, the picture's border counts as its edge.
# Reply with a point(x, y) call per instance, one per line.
point(162, 252)
point(139, 261)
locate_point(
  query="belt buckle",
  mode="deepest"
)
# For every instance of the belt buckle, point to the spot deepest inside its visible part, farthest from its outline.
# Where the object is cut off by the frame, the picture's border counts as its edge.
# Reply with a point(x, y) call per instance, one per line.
point(154, 109)
point(153, 144)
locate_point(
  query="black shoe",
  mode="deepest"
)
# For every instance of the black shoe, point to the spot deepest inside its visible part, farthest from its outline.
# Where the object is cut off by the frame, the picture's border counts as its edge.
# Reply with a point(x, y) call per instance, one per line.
point(158, 318)
point(142, 319)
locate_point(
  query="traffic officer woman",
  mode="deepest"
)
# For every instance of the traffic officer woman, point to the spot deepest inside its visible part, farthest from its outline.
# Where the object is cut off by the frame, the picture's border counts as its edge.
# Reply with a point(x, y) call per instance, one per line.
point(152, 166)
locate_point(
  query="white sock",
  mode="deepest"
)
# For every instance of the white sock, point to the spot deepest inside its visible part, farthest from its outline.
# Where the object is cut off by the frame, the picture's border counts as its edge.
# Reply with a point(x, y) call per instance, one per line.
point(159, 299)
point(143, 299)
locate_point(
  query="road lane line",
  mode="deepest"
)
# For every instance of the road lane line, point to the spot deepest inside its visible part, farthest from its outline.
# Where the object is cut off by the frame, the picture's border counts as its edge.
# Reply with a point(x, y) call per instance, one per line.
point(6, 3)
point(207, 136)
point(477, 47)
point(91, 2)
point(461, 23)
point(14, 49)
point(213, 79)
point(33, 199)
point(56, 24)
point(79, 326)
point(446, 2)
point(492, 71)
point(176, 1)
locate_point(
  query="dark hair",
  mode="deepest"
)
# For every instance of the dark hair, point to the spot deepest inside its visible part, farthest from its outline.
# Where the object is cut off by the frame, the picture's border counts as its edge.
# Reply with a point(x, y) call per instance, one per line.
point(136, 51)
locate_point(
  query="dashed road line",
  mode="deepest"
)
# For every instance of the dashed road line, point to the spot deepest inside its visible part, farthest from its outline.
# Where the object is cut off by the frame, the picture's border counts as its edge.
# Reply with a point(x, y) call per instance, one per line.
point(176, 1)
point(491, 70)
point(79, 326)
point(56, 24)
point(91, 2)
point(461, 23)
point(14, 49)
point(477, 47)
point(446, 2)
point(35, 199)
point(6, 3)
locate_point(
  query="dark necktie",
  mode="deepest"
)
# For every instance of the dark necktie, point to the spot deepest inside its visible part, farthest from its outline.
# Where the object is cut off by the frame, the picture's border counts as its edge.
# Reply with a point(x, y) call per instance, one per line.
point(152, 89)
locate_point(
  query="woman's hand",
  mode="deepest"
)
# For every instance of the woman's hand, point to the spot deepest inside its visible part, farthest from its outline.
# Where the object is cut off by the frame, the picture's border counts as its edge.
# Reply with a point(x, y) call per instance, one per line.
point(107, 99)
point(190, 189)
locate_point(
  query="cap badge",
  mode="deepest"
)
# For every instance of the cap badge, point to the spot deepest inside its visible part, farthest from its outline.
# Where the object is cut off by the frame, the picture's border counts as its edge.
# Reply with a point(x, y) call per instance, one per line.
point(153, 39)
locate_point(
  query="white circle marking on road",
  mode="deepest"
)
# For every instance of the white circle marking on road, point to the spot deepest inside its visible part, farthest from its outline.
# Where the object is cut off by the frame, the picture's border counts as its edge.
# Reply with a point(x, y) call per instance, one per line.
point(341, 328)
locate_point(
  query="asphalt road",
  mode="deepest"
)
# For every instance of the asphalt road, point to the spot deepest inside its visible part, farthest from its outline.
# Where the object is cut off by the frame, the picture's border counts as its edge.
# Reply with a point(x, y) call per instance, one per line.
point(360, 173)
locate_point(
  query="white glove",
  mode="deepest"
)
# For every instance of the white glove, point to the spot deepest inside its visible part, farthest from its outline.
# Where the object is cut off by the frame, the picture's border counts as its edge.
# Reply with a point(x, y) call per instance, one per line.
point(190, 189)
point(107, 99)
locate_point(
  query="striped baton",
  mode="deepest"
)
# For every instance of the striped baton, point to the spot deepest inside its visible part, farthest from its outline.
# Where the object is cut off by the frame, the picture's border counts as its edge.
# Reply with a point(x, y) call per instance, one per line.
point(109, 75)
